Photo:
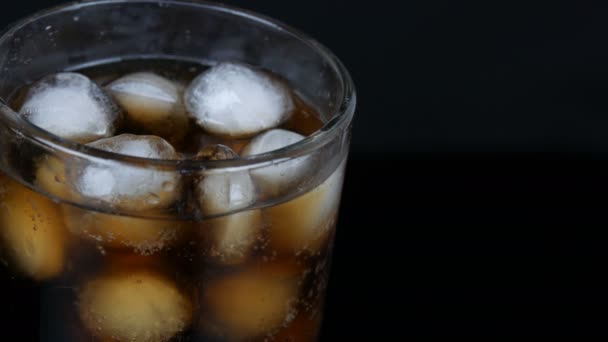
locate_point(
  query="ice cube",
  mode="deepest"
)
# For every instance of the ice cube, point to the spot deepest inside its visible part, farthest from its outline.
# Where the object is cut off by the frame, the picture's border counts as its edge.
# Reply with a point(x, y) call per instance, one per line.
point(225, 191)
point(229, 238)
point(152, 103)
point(236, 100)
point(137, 305)
point(133, 188)
point(280, 176)
point(71, 106)
point(250, 303)
point(304, 223)
point(143, 236)
point(31, 231)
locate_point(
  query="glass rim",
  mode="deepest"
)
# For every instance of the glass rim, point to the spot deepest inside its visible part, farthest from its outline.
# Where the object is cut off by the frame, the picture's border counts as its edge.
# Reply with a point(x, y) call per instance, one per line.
point(339, 119)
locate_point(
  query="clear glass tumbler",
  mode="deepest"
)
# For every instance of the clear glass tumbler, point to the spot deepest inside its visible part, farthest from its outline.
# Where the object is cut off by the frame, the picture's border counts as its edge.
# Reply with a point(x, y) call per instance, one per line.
point(78, 268)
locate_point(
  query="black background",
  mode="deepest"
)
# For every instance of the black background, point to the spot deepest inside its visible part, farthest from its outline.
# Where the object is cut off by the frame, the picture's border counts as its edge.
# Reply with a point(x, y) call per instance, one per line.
point(476, 191)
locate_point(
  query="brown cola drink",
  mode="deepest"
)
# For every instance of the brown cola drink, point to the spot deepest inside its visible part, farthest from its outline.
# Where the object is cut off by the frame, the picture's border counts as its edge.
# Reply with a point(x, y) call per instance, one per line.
point(251, 275)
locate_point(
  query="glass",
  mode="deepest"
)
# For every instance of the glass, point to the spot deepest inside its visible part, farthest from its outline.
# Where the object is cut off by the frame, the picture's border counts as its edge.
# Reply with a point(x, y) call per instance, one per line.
point(78, 268)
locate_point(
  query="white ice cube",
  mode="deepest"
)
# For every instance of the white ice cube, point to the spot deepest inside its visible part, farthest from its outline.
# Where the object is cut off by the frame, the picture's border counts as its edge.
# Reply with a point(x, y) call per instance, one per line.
point(71, 106)
point(236, 100)
point(223, 192)
point(230, 238)
point(151, 101)
point(147, 97)
point(305, 222)
point(131, 187)
point(276, 178)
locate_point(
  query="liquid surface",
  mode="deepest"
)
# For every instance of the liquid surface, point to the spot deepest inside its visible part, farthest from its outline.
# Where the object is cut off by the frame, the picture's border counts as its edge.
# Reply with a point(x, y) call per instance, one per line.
point(304, 120)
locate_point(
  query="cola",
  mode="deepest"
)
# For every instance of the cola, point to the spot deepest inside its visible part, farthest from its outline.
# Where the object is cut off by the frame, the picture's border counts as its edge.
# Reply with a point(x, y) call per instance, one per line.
point(123, 247)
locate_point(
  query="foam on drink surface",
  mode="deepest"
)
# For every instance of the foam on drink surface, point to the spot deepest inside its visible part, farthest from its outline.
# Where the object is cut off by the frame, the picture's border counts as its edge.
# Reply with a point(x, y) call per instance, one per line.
point(257, 274)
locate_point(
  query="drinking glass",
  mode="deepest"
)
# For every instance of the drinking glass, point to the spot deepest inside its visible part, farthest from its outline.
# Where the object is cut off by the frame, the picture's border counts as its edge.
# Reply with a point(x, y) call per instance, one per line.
point(77, 268)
